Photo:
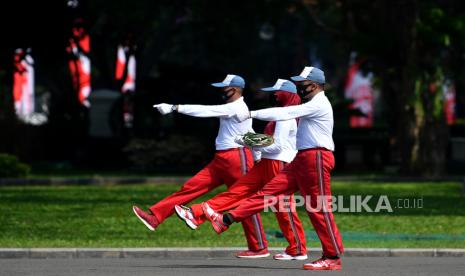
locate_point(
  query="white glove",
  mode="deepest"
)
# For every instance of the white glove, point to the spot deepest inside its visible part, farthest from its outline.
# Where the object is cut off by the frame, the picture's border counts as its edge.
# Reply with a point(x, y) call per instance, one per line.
point(164, 108)
point(239, 140)
point(242, 116)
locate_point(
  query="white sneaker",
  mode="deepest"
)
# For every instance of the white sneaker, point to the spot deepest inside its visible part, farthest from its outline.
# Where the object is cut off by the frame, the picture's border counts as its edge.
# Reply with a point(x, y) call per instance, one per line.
point(185, 213)
point(287, 257)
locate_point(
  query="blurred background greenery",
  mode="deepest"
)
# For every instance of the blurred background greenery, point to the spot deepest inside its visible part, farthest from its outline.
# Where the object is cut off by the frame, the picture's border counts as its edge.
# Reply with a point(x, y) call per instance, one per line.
point(410, 46)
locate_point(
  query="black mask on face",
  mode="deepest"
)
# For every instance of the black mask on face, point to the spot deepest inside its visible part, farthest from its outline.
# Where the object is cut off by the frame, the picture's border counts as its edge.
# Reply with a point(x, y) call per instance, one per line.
point(225, 96)
point(302, 90)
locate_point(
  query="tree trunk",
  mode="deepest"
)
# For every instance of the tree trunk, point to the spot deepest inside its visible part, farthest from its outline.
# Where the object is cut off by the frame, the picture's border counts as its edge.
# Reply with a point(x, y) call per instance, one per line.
point(434, 133)
point(399, 77)
point(417, 121)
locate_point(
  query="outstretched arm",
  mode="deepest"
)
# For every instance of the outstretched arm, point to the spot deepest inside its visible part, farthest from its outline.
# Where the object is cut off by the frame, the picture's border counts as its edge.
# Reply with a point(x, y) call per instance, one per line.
point(284, 113)
point(196, 110)
point(205, 110)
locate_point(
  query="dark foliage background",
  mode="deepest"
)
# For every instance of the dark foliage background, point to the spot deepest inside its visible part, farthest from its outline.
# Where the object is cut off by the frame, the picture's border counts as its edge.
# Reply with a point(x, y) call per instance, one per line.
point(182, 46)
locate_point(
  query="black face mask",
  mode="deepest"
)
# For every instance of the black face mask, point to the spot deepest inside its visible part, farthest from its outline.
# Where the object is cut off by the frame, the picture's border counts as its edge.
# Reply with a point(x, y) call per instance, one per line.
point(224, 95)
point(302, 90)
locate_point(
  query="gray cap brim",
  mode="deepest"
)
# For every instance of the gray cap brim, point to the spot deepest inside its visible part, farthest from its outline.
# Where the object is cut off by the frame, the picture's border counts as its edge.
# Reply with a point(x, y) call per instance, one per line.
point(268, 89)
point(298, 78)
point(219, 84)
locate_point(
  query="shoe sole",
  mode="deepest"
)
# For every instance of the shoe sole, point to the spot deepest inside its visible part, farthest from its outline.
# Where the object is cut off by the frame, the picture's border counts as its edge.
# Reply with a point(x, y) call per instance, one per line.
point(255, 256)
point(188, 222)
point(204, 209)
point(214, 224)
point(217, 227)
point(325, 268)
point(296, 258)
point(150, 227)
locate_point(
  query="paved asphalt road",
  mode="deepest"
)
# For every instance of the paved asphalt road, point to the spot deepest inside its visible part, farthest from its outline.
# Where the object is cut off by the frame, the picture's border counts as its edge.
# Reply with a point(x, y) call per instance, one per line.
point(229, 266)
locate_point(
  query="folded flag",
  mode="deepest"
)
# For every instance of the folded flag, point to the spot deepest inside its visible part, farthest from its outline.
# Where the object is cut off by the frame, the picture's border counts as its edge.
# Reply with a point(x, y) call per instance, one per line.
point(257, 139)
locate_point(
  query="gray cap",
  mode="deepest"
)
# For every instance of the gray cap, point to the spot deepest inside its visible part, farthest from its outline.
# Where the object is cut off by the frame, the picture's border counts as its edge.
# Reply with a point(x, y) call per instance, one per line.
point(231, 80)
point(282, 85)
point(312, 74)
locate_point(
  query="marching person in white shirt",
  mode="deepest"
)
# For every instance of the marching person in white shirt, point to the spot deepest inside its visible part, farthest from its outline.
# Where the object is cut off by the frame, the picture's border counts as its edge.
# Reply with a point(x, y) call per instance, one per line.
point(273, 159)
point(309, 172)
point(231, 159)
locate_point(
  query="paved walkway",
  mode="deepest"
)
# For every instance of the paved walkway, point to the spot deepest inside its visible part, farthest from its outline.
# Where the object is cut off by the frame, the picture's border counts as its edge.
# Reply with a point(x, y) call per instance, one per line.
point(228, 266)
point(206, 252)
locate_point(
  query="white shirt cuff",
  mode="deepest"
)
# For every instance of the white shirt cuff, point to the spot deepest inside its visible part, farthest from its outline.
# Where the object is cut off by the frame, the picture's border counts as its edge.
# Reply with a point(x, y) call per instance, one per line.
point(253, 114)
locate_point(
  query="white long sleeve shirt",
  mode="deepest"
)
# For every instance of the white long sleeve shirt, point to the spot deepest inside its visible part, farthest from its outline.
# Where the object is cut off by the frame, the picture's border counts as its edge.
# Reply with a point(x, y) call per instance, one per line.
point(230, 127)
point(315, 124)
point(284, 146)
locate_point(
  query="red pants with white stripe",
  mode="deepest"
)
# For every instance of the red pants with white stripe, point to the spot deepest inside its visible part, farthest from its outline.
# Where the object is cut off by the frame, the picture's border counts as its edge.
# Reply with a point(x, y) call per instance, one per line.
point(226, 167)
point(310, 174)
point(259, 175)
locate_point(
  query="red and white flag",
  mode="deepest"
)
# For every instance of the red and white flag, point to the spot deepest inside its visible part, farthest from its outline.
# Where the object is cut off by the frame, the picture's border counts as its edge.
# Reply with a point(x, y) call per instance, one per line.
point(126, 68)
point(23, 83)
point(359, 88)
point(125, 75)
point(449, 101)
point(79, 63)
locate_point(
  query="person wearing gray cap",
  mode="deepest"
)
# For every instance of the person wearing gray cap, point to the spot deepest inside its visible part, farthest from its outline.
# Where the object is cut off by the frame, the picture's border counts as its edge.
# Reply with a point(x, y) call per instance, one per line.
point(231, 161)
point(308, 173)
point(273, 159)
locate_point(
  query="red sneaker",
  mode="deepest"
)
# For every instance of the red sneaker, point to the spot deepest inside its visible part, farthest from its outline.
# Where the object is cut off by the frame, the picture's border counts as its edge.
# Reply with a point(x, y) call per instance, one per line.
point(185, 213)
point(148, 219)
point(215, 218)
point(253, 254)
point(324, 264)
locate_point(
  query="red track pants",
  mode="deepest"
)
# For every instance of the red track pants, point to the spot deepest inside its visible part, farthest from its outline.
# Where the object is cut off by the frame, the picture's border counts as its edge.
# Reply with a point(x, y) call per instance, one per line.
point(226, 167)
point(259, 175)
point(310, 174)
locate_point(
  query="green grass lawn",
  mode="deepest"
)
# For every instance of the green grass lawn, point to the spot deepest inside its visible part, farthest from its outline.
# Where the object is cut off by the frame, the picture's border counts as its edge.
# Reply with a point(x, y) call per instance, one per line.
point(101, 216)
